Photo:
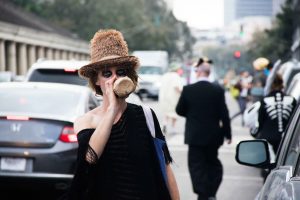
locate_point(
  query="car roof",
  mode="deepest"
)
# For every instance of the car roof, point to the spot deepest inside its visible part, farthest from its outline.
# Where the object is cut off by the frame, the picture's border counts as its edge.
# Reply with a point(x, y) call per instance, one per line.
point(59, 64)
point(44, 85)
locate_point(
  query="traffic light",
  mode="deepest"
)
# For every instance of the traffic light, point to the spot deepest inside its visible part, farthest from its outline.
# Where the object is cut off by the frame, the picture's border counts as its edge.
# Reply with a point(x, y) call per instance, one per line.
point(237, 54)
point(241, 30)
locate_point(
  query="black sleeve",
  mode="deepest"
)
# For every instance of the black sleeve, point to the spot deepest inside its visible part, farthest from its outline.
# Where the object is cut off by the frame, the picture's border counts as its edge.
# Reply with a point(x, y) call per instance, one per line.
point(225, 116)
point(85, 171)
point(181, 107)
point(159, 134)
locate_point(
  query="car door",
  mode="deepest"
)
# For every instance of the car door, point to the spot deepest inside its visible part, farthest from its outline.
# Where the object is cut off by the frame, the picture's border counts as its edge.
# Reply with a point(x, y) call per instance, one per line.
point(283, 182)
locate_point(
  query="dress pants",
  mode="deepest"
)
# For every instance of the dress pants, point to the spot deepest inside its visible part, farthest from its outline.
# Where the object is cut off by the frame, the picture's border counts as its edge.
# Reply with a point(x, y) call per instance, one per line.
point(205, 169)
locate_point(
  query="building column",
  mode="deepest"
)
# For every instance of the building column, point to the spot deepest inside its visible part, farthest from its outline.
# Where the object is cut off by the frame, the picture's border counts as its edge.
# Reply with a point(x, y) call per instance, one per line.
point(12, 61)
point(31, 56)
point(81, 56)
point(64, 55)
point(57, 54)
point(22, 59)
point(70, 55)
point(2, 55)
point(40, 53)
point(49, 53)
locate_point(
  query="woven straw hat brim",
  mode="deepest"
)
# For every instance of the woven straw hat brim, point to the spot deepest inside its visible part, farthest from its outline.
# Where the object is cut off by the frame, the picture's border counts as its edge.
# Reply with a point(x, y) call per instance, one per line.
point(88, 70)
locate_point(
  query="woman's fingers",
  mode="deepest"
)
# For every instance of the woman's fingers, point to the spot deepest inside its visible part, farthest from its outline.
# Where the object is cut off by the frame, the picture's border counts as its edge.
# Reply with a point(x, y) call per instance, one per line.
point(109, 85)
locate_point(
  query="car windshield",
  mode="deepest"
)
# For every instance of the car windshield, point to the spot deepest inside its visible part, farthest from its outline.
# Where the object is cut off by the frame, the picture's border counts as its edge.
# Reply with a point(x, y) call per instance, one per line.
point(39, 101)
point(57, 76)
point(150, 70)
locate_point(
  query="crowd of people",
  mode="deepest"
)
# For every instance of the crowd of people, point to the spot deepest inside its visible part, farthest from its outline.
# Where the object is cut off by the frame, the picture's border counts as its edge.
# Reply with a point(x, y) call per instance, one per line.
point(274, 106)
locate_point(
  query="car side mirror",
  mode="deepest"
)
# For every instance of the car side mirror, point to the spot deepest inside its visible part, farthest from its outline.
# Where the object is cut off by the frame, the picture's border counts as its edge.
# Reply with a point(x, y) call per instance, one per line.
point(253, 153)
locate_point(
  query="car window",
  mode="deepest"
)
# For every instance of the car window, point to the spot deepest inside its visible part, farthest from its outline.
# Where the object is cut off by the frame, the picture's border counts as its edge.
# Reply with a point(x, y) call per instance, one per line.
point(294, 147)
point(57, 76)
point(39, 101)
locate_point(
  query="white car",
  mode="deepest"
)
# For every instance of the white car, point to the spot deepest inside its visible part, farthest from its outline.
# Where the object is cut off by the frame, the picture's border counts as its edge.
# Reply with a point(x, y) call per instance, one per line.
point(56, 71)
point(64, 71)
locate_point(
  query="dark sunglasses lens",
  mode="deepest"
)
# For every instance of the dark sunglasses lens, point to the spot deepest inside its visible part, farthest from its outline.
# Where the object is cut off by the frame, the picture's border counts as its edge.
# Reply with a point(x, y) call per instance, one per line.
point(106, 74)
point(121, 72)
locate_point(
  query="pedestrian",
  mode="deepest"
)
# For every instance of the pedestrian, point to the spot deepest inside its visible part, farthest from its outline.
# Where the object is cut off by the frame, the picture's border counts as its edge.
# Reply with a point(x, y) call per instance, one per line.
point(193, 73)
point(116, 155)
point(262, 67)
point(274, 113)
point(203, 105)
point(243, 85)
point(170, 90)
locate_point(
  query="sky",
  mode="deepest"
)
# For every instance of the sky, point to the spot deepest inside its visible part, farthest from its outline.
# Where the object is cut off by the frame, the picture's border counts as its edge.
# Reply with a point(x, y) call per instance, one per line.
point(202, 14)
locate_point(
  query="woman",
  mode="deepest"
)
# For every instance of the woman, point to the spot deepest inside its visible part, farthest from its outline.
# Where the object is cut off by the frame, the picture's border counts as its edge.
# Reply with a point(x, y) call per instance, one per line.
point(274, 113)
point(170, 90)
point(116, 155)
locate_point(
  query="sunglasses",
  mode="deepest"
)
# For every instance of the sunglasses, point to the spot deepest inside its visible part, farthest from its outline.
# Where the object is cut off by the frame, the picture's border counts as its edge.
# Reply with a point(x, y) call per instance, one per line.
point(119, 72)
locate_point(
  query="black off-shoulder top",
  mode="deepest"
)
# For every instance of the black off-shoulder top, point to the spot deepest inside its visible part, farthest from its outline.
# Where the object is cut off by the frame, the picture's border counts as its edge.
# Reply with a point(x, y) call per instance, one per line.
point(127, 169)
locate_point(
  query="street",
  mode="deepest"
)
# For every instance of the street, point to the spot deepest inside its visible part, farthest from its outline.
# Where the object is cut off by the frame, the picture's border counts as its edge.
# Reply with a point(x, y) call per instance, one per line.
point(239, 182)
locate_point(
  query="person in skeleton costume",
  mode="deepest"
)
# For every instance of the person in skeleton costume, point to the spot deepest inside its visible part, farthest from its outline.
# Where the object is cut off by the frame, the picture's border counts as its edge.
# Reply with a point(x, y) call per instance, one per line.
point(274, 113)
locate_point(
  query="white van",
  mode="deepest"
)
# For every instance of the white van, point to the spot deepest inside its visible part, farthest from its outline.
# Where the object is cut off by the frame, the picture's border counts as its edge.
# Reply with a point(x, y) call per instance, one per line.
point(153, 66)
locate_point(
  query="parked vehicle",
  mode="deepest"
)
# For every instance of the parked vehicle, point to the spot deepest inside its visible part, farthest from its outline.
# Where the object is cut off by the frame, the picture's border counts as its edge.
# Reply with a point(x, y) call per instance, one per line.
point(63, 71)
point(6, 76)
point(289, 73)
point(153, 66)
point(283, 182)
point(294, 87)
point(56, 71)
point(37, 141)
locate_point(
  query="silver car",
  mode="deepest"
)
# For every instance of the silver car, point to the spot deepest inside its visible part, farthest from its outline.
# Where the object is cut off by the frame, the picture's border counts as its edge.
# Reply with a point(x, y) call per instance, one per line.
point(37, 140)
point(283, 182)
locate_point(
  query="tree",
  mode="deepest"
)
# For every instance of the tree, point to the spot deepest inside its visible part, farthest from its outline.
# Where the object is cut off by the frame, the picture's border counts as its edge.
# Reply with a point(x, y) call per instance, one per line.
point(146, 25)
point(276, 42)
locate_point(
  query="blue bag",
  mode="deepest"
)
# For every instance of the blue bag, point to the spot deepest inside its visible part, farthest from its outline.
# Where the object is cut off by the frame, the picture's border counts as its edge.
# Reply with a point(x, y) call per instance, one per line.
point(158, 143)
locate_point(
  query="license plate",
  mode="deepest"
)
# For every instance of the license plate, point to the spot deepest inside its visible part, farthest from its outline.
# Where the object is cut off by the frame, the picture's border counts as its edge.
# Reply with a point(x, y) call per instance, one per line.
point(13, 164)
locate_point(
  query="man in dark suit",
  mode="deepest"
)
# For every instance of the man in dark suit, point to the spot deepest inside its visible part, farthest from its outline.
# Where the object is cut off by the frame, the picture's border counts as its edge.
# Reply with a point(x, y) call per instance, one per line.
point(207, 123)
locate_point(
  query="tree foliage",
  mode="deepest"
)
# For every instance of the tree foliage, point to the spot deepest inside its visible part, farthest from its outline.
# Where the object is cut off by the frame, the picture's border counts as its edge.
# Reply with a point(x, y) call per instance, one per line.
point(276, 42)
point(146, 24)
point(224, 59)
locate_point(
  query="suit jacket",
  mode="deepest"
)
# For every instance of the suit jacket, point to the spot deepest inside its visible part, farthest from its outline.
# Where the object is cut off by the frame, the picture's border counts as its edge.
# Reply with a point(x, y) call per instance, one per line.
point(207, 119)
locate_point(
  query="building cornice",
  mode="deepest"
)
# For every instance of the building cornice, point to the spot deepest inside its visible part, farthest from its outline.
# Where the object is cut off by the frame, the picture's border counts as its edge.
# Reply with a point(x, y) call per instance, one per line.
point(39, 38)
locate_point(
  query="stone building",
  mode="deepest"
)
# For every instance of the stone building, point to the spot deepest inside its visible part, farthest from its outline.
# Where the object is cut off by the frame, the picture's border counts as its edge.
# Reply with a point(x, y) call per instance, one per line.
point(25, 38)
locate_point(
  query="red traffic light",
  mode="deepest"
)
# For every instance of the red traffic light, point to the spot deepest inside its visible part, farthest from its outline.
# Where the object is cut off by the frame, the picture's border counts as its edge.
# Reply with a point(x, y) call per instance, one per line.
point(237, 54)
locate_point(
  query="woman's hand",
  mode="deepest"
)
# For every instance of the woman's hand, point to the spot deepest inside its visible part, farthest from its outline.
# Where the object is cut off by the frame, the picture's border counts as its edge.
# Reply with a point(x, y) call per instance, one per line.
point(114, 103)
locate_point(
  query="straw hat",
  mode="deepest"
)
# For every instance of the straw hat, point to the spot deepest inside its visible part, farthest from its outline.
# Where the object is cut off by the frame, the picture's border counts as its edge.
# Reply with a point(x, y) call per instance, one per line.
point(108, 48)
point(260, 63)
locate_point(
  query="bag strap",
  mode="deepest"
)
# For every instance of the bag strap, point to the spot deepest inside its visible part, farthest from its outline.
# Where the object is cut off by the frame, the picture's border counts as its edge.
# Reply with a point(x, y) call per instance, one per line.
point(149, 119)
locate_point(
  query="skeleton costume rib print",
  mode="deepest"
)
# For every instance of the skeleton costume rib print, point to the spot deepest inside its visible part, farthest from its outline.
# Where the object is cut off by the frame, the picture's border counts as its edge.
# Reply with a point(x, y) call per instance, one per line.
point(279, 108)
point(274, 114)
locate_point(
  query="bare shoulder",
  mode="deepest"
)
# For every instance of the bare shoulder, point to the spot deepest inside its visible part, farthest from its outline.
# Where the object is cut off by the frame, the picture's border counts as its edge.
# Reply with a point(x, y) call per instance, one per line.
point(83, 122)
